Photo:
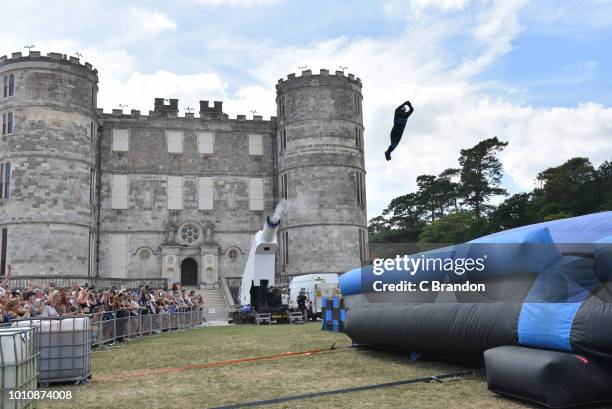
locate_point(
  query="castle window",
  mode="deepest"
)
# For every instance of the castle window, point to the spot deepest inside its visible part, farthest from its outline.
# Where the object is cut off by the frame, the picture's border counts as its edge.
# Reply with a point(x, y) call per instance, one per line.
point(232, 254)
point(90, 264)
point(144, 254)
point(189, 234)
point(359, 182)
point(356, 137)
point(206, 193)
point(175, 192)
point(121, 140)
point(206, 142)
point(175, 141)
point(118, 255)
point(283, 186)
point(255, 144)
point(9, 85)
point(256, 194)
point(92, 186)
point(3, 245)
point(91, 132)
point(282, 107)
point(363, 252)
point(5, 180)
point(7, 123)
point(285, 246)
point(284, 140)
point(119, 192)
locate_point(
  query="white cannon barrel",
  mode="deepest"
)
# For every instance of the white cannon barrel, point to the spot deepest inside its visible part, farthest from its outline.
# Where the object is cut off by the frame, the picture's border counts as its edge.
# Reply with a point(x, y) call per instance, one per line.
point(260, 266)
point(270, 227)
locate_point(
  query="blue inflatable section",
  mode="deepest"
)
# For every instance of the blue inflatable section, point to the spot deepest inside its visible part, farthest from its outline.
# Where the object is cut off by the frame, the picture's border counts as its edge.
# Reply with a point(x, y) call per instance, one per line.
point(350, 282)
point(568, 259)
point(582, 229)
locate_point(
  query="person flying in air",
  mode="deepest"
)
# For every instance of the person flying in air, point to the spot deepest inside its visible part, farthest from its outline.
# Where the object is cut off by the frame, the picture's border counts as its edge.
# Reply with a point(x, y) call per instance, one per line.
point(402, 113)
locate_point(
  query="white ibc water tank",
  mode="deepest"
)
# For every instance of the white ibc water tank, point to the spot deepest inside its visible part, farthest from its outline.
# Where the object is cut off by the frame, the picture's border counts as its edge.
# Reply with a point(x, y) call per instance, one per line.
point(17, 367)
point(64, 347)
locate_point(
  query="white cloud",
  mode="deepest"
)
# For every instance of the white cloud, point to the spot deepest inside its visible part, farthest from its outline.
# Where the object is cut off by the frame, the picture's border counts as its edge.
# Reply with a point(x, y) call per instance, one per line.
point(148, 22)
point(445, 5)
point(241, 3)
point(495, 29)
point(140, 90)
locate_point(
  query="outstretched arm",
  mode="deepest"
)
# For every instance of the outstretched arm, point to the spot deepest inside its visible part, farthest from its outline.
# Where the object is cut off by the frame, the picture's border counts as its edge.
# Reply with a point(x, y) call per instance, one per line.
point(409, 105)
point(400, 109)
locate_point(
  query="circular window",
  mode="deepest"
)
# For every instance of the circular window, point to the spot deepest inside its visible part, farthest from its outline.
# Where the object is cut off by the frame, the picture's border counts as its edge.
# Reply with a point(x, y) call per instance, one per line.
point(233, 254)
point(189, 233)
point(144, 254)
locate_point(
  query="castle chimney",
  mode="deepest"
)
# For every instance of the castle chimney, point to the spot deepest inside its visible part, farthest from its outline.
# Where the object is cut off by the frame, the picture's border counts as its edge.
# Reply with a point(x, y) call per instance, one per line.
point(218, 106)
point(162, 108)
point(159, 104)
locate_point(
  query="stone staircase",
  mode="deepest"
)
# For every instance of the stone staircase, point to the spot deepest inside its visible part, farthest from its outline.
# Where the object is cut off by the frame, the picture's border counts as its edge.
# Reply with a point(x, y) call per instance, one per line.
point(215, 306)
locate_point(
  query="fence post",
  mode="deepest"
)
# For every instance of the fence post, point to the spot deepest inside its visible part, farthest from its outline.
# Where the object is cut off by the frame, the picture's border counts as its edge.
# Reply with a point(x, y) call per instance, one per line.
point(114, 328)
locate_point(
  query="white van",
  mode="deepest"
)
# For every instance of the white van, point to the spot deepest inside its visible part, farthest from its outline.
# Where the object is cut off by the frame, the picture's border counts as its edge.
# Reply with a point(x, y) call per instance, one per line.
point(316, 287)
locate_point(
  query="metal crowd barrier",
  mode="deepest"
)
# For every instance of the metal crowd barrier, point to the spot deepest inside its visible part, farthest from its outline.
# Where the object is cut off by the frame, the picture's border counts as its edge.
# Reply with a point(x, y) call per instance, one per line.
point(18, 362)
point(64, 348)
point(109, 328)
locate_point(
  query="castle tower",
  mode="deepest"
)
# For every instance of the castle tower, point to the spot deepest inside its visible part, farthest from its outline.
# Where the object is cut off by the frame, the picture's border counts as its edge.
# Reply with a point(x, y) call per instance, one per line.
point(48, 153)
point(321, 173)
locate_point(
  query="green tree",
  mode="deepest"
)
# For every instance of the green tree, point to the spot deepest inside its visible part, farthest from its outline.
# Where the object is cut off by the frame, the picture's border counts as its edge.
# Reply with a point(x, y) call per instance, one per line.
point(604, 176)
point(454, 228)
point(449, 188)
point(427, 195)
point(515, 211)
point(377, 224)
point(481, 173)
point(405, 212)
point(557, 216)
point(570, 188)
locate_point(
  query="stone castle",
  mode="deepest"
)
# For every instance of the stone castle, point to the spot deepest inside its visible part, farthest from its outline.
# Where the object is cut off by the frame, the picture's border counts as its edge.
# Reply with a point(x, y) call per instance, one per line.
point(84, 192)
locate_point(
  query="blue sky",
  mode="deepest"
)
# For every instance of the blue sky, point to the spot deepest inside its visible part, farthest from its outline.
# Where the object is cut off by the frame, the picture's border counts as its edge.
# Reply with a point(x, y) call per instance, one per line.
point(537, 74)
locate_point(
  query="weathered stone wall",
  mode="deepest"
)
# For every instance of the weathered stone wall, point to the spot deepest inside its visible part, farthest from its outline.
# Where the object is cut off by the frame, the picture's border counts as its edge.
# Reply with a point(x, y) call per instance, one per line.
point(148, 164)
point(49, 215)
point(320, 115)
point(52, 152)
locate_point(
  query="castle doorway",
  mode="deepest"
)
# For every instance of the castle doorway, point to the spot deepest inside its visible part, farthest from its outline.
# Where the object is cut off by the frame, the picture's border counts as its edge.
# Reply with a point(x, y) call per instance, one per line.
point(189, 272)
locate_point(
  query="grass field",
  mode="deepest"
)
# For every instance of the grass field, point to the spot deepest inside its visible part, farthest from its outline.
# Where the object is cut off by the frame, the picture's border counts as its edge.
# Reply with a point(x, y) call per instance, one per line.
point(118, 387)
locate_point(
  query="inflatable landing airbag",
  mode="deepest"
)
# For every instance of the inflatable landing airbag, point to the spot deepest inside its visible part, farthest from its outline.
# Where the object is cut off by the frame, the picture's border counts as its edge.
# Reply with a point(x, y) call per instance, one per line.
point(550, 378)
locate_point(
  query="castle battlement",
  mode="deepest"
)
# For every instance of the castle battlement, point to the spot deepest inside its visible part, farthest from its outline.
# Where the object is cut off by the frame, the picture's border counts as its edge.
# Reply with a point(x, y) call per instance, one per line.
point(168, 108)
point(50, 57)
point(137, 114)
point(324, 74)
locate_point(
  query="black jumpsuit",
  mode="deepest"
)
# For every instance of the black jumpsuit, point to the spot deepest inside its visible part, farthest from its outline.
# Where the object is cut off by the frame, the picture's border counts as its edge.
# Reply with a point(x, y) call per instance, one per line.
point(399, 123)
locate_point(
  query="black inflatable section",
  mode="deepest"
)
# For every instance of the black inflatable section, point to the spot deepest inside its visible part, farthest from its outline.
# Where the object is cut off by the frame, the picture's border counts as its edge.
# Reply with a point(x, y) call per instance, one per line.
point(550, 378)
point(456, 332)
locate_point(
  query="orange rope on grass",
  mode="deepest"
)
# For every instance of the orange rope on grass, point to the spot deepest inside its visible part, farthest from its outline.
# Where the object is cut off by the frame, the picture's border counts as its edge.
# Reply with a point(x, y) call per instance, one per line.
point(160, 371)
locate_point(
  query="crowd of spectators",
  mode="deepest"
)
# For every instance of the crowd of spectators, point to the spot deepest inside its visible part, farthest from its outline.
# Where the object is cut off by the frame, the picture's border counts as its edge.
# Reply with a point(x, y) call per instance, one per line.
point(51, 301)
